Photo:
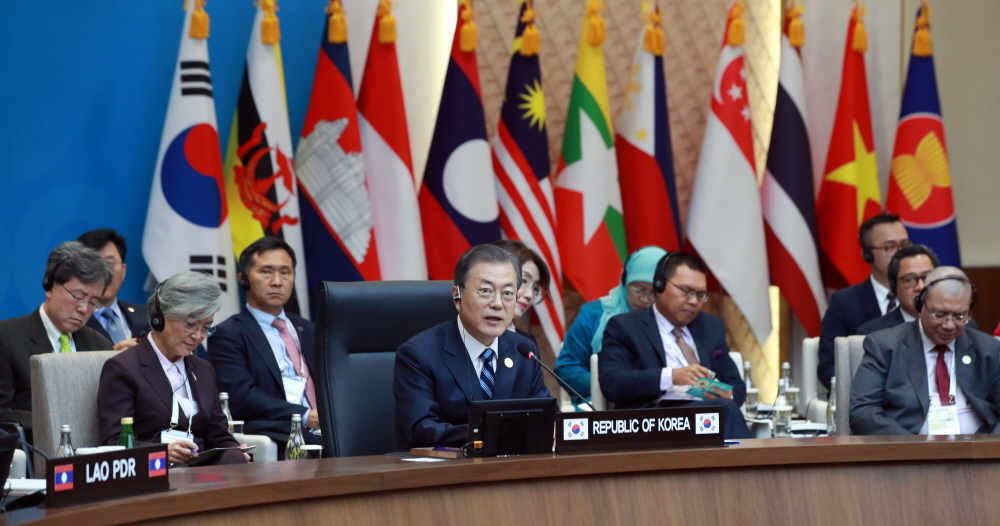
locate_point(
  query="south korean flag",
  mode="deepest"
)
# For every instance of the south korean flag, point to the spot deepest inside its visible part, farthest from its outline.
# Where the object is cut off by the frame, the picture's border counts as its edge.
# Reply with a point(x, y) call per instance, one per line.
point(706, 423)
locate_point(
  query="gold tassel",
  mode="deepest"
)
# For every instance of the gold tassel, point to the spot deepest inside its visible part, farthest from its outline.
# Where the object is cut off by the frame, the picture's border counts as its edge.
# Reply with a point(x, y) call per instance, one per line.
point(531, 39)
point(596, 31)
point(337, 23)
point(737, 29)
point(270, 33)
point(469, 36)
point(860, 43)
point(199, 21)
point(654, 41)
point(386, 24)
point(922, 37)
point(796, 31)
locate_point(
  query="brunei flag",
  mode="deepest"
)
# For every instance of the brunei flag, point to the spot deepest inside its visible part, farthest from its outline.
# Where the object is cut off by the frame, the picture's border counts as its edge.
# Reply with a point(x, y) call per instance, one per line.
point(920, 181)
point(458, 200)
point(187, 226)
point(521, 164)
point(260, 176)
point(642, 142)
point(337, 226)
point(388, 165)
point(849, 193)
point(588, 201)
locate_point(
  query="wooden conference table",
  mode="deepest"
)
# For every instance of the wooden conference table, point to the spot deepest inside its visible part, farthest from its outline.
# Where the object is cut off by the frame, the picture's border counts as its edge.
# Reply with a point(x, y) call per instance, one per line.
point(838, 480)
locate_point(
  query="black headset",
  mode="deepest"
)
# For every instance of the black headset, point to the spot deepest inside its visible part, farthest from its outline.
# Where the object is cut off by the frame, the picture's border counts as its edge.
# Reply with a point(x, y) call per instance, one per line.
point(156, 320)
point(48, 280)
point(866, 251)
point(660, 275)
point(918, 302)
point(241, 276)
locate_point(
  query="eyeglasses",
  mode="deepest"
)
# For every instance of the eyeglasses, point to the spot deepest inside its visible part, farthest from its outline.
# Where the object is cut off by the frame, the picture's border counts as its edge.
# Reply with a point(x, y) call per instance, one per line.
point(194, 328)
point(892, 246)
point(910, 280)
point(537, 292)
point(644, 294)
point(960, 318)
point(700, 295)
point(488, 295)
point(82, 301)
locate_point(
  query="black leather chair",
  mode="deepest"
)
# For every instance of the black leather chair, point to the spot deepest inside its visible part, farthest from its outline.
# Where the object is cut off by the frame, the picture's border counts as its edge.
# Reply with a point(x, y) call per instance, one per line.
point(359, 327)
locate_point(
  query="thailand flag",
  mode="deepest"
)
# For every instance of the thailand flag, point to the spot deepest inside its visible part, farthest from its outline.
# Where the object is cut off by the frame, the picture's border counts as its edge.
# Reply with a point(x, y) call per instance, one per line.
point(458, 200)
point(63, 477)
point(158, 464)
point(337, 226)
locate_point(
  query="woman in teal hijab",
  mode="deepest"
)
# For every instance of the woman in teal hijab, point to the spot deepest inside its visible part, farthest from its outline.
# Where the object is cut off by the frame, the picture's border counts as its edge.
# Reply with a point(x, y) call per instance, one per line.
point(585, 335)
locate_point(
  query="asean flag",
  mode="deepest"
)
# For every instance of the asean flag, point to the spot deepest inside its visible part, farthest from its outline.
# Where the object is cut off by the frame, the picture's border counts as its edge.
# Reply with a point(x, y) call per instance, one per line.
point(458, 199)
point(920, 181)
point(337, 226)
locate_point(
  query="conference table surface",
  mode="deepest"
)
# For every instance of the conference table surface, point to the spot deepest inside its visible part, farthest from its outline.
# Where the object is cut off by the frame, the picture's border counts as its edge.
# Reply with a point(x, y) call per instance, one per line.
point(869, 480)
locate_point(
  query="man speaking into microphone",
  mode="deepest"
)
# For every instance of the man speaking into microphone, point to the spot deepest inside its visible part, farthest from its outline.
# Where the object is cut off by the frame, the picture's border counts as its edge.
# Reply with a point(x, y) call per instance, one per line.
point(473, 357)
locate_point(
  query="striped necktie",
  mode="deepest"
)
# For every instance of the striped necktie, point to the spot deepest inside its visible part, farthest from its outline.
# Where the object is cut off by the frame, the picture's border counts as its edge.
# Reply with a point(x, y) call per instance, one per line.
point(486, 375)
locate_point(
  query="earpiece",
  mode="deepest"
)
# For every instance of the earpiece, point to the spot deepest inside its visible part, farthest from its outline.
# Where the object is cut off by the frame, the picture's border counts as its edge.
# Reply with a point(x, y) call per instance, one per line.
point(868, 255)
point(660, 275)
point(918, 302)
point(48, 280)
point(156, 321)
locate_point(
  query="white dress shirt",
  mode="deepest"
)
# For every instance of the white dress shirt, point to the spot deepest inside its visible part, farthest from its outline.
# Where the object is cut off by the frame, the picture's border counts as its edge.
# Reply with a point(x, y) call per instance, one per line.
point(475, 349)
point(273, 336)
point(882, 295)
point(53, 333)
point(674, 359)
point(969, 422)
point(177, 375)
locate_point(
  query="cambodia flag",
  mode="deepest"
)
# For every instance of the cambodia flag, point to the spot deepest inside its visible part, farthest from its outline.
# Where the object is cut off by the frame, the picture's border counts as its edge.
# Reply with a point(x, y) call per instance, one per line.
point(63, 477)
point(458, 200)
point(920, 181)
point(337, 226)
point(158, 464)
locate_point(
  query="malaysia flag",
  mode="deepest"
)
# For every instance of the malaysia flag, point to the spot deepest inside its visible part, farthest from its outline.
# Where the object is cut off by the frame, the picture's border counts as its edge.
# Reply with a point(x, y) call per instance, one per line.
point(63, 477)
point(158, 464)
point(337, 226)
point(458, 200)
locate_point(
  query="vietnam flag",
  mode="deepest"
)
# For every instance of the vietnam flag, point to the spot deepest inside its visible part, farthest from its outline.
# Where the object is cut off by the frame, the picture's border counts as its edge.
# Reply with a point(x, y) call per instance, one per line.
point(458, 200)
point(849, 193)
point(645, 157)
point(337, 226)
point(920, 181)
point(590, 231)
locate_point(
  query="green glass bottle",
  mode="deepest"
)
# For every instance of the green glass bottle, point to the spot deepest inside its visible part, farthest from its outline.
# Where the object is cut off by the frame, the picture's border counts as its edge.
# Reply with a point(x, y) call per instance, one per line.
point(127, 436)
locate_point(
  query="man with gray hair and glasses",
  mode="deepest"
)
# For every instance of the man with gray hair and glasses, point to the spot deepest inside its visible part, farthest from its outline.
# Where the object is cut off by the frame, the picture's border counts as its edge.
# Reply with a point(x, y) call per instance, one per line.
point(933, 375)
point(75, 278)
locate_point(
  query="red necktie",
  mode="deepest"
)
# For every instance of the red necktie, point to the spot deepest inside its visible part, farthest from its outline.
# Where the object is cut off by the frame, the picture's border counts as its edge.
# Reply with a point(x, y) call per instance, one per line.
point(293, 353)
point(941, 375)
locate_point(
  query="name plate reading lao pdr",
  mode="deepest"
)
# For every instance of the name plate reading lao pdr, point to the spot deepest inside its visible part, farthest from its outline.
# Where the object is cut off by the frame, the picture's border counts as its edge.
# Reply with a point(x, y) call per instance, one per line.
point(102, 476)
point(633, 429)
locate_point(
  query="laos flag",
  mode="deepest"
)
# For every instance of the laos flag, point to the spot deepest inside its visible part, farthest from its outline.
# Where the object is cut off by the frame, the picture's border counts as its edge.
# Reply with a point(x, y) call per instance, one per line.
point(458, 199)
point(919, 180)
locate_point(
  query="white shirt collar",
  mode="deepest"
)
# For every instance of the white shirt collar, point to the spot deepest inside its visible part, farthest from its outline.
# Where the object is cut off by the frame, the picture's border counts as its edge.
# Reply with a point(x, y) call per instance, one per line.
point(928, 344)
point(475, 348)
point(881, 294)
point(906, 317)
point(668, 327)
point(53, 333)
point(164, 362)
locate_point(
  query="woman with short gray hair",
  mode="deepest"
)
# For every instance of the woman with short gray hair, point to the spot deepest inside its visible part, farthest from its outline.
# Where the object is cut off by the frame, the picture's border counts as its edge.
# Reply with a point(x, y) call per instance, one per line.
point(170, 393)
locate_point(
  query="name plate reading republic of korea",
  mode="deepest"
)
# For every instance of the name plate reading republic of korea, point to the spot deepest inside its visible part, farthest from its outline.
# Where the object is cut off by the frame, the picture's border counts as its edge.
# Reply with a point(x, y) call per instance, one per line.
point(629, 429)
point(103, 476)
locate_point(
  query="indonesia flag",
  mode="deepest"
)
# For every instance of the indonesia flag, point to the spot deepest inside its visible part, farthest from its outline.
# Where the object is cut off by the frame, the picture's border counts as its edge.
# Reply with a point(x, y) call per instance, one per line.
point(458, 201)
point(388, 164)
point(588, 201)
point(920, 180)
point(187, 225)
point(787, 192)
point(725, 221)
point(521, 164)
point(645, 157)
point(337, 226)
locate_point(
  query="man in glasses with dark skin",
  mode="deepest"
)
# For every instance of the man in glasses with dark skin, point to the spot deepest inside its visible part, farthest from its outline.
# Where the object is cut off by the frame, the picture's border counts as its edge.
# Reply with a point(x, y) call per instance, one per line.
point(880, 237)
point(933, 375)
point(472, 357)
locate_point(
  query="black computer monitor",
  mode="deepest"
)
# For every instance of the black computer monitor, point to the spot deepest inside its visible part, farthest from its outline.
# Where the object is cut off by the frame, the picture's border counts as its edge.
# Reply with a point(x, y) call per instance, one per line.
point(512, 427)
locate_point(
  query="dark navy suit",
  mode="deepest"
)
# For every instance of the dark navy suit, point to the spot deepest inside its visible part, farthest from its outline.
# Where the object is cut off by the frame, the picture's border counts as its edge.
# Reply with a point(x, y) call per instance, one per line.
point(632, 359)
point(136, 317)
point(435, 379)
point(849, 309)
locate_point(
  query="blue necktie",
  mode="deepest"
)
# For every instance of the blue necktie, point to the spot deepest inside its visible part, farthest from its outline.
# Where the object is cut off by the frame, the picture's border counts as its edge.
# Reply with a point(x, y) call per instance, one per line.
point(486, 376)
point(113, 325)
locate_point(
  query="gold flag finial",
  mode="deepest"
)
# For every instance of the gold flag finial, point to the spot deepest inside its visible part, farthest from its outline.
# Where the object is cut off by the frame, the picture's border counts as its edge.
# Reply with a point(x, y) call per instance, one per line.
point(270, 32)
point(736, 32)
point(922, 37)
point(386, 24)
point(469, 36)
point(531, 39)
point(336, 24)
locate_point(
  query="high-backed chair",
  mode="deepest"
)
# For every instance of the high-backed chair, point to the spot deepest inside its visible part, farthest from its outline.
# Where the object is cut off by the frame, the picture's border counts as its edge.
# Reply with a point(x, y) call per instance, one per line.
point(359, 327)
point(847, 354)
point(596, 396)
point(811, 397)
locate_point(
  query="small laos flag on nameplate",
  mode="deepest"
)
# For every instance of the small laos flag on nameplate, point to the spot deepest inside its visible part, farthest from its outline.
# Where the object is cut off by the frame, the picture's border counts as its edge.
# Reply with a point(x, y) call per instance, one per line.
point(158, 464)
point(63, 477)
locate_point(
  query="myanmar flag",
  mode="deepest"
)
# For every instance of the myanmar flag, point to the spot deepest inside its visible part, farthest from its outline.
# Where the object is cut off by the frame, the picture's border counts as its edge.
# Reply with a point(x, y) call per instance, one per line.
point(591, 234)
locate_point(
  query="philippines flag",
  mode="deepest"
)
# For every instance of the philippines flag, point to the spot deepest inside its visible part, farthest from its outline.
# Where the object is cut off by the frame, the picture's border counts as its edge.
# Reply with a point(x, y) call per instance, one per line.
point(920, 181)
point(521, 164)
point(388, 164)
point(158, 464)
point(642, 143)
point(337, 226)
point(787, 194)
point(63, 477)
point(458, 201)
point(725, 221)
point(187, 225)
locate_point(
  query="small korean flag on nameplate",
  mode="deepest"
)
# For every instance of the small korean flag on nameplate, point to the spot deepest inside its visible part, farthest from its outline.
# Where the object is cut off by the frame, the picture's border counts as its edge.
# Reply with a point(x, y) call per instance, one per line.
point(706, 423)
point(575, 429)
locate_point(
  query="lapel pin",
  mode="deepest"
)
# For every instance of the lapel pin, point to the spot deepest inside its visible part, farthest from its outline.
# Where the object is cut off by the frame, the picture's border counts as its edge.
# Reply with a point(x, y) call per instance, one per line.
point(508, 362)
point(131, 309)
point(299, 329)
point(966, 359)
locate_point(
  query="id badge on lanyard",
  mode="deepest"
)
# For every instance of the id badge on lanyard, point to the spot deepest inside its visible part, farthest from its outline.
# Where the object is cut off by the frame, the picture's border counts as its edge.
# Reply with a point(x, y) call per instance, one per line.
point(171, 435)
point(295, 388)
point(943, 419)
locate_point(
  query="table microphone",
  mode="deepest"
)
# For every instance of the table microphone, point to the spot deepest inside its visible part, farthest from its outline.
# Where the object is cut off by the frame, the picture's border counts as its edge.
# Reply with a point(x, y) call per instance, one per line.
point(525, 349)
